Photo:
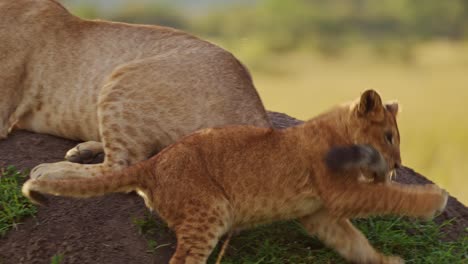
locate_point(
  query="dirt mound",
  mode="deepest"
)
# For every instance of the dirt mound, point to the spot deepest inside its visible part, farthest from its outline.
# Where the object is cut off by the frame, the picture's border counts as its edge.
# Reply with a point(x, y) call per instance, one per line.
point(101, 230)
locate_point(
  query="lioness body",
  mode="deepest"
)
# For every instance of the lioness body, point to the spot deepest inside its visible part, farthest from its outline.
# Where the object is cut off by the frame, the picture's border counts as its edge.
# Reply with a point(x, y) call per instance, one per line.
point(134, 88)
point(222, 179)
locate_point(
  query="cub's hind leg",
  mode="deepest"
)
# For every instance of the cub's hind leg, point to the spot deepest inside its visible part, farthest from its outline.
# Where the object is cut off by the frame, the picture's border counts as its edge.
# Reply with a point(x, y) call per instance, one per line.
point(342, 236)
point(199, 232)
point(85, 152)
point(199, 214)
point(195, 242)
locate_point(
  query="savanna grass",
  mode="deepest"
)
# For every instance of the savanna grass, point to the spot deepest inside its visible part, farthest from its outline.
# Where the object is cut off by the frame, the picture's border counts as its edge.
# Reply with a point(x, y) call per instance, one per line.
point(13, 206)
point(417, 242)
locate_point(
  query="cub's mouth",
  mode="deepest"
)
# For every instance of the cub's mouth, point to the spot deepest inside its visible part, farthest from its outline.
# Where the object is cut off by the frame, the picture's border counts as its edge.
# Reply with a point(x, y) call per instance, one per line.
point(392, 175)
point(373, 177)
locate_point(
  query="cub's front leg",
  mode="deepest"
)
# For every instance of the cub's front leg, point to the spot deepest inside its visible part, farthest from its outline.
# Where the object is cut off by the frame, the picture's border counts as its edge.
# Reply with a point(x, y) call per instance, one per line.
point(340, 235)
point(362, 200)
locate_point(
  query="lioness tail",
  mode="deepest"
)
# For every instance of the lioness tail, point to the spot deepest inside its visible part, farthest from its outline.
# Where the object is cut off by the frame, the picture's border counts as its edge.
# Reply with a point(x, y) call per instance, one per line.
point(128, 180)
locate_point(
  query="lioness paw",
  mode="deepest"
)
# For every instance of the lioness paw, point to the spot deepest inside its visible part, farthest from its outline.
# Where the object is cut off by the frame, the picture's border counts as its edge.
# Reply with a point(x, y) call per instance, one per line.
point(86, 152)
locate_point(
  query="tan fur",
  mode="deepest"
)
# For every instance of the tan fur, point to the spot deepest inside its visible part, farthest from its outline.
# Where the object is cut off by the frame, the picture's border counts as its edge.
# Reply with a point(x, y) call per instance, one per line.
point(225, 179)
point(132, 89)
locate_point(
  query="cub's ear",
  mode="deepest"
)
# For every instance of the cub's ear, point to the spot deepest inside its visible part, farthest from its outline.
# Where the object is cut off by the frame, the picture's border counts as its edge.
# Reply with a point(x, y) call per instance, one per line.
point(393, 108)
point(370, 106)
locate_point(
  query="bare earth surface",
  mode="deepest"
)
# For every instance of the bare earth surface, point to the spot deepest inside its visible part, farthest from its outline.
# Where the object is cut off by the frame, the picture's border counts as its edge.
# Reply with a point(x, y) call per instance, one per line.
point(101, 230)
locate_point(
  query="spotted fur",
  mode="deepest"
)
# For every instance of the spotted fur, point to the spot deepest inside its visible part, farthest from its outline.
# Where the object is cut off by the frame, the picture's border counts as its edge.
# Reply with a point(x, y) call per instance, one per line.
point(224, 179)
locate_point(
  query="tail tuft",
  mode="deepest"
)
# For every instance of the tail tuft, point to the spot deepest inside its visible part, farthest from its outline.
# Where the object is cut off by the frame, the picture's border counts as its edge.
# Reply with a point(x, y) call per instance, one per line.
point(342, 158)
point(357, 156)
point(38, 198)
point(34, 196)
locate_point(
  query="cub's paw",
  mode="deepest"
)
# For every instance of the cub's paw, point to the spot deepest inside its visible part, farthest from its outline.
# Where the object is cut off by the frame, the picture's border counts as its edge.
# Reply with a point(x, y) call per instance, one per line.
point(392, 260)
point(86, 152)
point(443, 202)
point(439, 198)
point(29, 191)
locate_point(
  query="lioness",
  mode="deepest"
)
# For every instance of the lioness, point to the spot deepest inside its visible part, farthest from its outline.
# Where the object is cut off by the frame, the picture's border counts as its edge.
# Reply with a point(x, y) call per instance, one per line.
point(223, 179)
point(129, 90)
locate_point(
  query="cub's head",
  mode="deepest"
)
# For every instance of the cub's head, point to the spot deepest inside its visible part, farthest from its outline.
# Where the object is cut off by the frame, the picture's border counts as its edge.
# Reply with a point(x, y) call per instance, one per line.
point(374, 123)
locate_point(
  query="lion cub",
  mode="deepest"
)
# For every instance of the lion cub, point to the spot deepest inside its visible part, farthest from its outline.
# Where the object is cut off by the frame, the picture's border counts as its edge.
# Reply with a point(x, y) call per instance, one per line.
point(224, 179)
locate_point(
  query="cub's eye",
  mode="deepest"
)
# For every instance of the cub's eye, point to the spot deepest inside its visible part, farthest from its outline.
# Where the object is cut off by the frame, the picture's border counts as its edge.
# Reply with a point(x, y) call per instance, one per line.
point(389, 137)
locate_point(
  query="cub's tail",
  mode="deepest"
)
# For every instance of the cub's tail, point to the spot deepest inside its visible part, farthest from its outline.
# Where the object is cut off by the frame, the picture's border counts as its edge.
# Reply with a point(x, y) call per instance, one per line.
point(130, 179)
point(357, 156)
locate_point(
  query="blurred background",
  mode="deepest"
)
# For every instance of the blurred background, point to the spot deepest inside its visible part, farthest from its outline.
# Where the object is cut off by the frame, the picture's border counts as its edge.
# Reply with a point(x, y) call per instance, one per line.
point(308, 55)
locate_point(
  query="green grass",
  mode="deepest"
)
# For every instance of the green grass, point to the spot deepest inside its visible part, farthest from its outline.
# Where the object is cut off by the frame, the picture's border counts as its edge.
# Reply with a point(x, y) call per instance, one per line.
point(57, 259)
point(287, 242)
point(149, 227)
point(13, 205)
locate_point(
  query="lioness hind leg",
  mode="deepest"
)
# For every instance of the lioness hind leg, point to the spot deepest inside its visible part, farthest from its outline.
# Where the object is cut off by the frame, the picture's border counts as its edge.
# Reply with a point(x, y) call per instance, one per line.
point(128, 130)
point(343, 237)
point(120, 151)
point(85, 152)
point(118, 155)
